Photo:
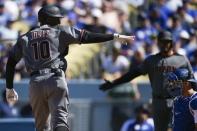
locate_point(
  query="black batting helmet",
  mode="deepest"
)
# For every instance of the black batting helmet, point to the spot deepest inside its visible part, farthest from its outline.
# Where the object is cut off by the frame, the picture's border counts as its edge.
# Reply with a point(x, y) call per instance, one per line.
point(165, 41)
point(165, 36)
point(49, 12)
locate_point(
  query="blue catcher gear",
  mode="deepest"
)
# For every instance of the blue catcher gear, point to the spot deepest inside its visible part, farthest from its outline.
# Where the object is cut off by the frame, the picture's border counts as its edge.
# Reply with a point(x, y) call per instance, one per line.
point(193, 84)
point(175, 81)
point(182, 74)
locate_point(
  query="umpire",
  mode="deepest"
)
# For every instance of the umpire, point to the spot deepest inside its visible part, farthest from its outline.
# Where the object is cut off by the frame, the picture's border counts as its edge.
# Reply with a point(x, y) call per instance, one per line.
point(43, 50)
point(156, 66)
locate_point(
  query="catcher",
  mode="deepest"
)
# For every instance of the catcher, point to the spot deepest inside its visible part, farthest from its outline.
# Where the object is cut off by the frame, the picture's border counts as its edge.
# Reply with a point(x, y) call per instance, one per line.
point(183, 90)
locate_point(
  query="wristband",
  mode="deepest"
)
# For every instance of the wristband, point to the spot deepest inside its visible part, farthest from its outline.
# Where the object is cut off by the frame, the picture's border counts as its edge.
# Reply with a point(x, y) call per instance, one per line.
point(116, 36)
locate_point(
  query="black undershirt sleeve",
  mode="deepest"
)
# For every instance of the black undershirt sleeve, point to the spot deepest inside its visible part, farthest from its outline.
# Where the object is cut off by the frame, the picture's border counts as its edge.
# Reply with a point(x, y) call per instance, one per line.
point(10, 69)
point(130, 75)
point(89, 37)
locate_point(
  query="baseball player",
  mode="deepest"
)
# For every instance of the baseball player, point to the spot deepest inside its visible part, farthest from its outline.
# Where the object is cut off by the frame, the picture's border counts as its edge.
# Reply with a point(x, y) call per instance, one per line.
point(43, 50)
point(185, 100)
point(156, 66)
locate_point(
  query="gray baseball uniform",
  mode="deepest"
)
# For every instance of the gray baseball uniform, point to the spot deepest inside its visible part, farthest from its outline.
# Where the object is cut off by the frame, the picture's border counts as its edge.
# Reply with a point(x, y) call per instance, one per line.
point(43, 50)
point(156, 66)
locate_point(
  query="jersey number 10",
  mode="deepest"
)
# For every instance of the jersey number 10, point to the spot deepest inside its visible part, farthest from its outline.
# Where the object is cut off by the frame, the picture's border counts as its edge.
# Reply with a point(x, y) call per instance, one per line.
point(41, 50)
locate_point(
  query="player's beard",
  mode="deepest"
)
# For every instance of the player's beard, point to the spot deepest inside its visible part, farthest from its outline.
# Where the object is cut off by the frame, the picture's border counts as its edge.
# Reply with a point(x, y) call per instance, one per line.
point(165, 48)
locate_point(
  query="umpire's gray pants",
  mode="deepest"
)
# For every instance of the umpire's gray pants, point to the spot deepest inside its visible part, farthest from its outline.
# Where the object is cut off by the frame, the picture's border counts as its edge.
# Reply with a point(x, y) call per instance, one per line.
point(162, 115)
point(49, 101)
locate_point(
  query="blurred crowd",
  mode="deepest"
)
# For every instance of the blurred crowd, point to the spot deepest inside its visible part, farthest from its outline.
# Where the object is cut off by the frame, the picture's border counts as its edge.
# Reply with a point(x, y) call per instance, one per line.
point(142, 18)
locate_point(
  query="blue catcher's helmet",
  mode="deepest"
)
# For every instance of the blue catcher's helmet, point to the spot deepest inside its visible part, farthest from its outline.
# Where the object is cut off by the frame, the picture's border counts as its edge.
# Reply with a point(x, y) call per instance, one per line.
point(175, 81)
point(182, 74)
point(193, 83)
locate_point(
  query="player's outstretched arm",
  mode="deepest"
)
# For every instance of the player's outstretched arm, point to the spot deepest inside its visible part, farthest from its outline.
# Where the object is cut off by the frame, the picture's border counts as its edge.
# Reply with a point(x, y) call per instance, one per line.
point(89, 37)
point(11, 94)
point(130, 75)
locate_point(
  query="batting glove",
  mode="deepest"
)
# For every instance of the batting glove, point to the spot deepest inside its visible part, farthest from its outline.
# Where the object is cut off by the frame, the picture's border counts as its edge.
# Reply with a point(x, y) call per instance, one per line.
point(124, 37)
point(106, 86)
point(11, 96)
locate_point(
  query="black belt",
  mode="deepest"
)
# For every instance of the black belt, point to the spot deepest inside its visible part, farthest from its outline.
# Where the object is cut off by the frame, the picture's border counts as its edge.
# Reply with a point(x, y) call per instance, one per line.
point(161, 97)
point(46, 71)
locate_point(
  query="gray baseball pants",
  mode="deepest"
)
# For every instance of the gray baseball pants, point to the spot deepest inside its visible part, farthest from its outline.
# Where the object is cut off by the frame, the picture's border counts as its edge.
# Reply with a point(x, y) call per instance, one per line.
point(162, 115)
point(49, 100)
